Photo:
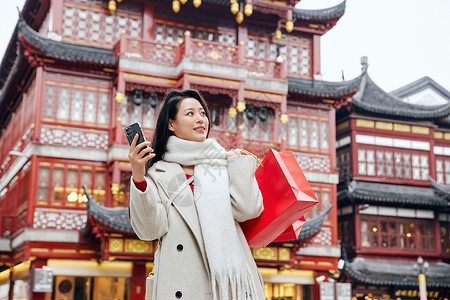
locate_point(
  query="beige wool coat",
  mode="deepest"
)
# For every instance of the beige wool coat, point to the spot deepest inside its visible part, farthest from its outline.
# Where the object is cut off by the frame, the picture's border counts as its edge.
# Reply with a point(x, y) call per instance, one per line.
point(181, 268)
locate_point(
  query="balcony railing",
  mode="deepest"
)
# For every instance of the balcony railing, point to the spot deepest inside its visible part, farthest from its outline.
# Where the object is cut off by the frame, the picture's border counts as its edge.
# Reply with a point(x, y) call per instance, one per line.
point(263, 68)
point(149, 51)
point(198, 50)
point(212, 52)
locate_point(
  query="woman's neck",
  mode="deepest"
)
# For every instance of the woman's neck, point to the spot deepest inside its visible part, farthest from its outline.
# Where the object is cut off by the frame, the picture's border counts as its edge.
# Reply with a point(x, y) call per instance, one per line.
point(189, 170)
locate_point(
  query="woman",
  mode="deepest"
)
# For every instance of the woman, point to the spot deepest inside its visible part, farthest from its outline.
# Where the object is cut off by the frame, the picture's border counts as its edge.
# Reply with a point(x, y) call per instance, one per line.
point(190, 194)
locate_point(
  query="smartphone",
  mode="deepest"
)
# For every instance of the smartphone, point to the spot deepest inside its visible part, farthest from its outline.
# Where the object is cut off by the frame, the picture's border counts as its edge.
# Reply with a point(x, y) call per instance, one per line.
point(130, 132)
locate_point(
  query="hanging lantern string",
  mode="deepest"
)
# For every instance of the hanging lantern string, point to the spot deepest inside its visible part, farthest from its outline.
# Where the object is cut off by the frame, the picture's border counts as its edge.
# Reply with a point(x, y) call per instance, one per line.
point(239, 8)
point(176, 4)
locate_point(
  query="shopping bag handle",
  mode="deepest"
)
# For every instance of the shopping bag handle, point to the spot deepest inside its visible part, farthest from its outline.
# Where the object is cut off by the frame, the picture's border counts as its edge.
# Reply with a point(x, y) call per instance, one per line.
point(258, 161)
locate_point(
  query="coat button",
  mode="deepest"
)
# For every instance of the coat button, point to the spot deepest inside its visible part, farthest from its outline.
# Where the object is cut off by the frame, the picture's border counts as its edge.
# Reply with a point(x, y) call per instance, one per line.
point(178, 294)
point(179, 247)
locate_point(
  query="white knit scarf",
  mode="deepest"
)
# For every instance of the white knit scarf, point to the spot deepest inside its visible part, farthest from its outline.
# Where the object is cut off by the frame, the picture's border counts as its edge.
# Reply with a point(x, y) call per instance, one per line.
point(231, 277)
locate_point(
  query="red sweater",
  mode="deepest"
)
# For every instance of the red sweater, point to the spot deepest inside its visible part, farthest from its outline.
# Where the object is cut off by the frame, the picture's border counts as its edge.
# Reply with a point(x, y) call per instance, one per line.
point(142, 185)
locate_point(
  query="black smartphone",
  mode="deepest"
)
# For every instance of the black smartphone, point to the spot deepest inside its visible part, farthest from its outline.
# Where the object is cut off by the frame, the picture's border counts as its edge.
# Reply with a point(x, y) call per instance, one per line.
point(130, 132)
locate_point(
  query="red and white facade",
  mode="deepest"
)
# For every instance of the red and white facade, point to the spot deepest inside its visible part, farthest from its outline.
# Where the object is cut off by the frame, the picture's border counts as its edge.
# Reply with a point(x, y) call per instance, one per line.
point(67, 94)
point(393, 154)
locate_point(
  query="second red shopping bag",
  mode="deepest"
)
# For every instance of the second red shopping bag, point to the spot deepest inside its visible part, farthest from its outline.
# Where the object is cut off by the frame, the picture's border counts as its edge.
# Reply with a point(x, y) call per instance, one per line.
point(287, 196)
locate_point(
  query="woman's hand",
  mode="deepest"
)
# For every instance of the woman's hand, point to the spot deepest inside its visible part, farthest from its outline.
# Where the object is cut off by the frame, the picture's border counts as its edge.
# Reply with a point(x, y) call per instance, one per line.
point(137, 159)
point(233, 152)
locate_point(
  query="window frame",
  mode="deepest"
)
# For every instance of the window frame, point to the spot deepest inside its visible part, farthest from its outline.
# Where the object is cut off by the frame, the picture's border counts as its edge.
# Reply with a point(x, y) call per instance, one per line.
point(100, 85)
point(318, 114)
point(444, 238)
point(411, 242)
point(66, 167)
point(394, 178)
point(443, 175)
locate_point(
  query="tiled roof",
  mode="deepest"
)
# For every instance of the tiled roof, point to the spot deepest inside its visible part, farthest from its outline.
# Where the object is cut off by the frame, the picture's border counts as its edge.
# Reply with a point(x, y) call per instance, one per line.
point(420, 85)
point(113, 218)
point(8, 60)
point(391, 194)
point(9, 87)
point(396, 273)
point(117, 218)
point(313, 226)
point(64, 51)
point(320, 88)
point(320, 14)
point(303, 14)
point(440, 189)
point(373, 100)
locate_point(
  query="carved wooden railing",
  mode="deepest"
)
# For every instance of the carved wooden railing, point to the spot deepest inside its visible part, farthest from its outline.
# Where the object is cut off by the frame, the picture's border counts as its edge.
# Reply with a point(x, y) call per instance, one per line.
point(212, 52)
point(148, 51)
point(263, 68)
point(198, 50)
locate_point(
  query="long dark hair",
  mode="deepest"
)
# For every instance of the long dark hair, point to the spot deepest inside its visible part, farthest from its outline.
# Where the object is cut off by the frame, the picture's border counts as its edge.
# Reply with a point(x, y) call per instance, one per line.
point(168, 112)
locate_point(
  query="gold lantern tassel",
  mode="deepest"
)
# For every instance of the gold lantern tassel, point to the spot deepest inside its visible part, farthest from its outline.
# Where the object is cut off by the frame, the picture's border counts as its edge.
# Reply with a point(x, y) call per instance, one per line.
point(176, 6)
point(248, 9)
point(197, 3)
point(239, 17)
point(234, 7)
point(112, 6)
point(289, 26)
point(278, 34)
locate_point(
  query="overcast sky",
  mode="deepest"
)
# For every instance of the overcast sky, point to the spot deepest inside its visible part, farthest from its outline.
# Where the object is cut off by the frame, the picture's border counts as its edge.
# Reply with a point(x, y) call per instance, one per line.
point(403, 39)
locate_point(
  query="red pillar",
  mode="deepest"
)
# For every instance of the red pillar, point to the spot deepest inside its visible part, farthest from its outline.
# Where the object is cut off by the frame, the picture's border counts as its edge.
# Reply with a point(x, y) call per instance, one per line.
point(33, 188)
point(138, 279)
point(36, 264)
point(148, 19)
point(316, 286)
point(56, 11)
point(316, 55)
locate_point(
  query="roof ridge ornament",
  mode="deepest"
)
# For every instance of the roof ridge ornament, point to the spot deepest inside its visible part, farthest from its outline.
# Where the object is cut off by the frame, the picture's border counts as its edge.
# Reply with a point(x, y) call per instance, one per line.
point(364, 64)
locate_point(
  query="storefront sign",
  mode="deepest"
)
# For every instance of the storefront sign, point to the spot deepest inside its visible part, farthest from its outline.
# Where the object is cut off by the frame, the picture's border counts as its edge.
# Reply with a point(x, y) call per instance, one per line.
point(414, 294)
point(335, 291)
point(43, 280)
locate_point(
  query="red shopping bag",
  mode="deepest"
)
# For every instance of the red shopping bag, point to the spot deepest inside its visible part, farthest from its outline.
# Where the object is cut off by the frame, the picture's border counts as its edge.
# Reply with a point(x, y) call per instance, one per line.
point(287, 196)
point(292, 232)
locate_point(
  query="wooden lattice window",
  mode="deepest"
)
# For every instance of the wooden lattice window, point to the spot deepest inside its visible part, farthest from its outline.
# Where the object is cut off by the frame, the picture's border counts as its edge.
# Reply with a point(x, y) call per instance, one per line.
point(397, 233)
point(295, 50)
point(298, 56)
point(392, 163)
point(308, 129)
point(76, 100)
point(61, 184)
point(91, 24)
point(443, 170)
point(172, 33)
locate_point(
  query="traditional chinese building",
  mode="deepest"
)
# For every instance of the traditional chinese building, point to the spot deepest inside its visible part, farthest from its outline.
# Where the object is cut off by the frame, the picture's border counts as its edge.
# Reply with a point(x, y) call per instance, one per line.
point(76, 72)
point(393, 153)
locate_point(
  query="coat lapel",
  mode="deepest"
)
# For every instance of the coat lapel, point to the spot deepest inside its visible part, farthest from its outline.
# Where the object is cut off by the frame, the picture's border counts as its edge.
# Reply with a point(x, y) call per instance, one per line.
point(169, 181)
